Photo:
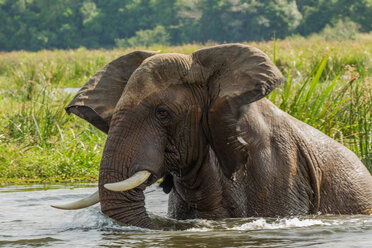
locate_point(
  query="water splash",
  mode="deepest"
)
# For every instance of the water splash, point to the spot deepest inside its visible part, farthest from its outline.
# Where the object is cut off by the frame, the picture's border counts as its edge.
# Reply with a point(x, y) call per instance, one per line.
point(262, 223)
point(93, 219)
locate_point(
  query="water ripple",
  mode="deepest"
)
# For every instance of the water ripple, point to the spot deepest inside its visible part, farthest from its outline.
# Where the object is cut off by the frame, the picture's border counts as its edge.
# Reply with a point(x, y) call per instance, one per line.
point(28, 220)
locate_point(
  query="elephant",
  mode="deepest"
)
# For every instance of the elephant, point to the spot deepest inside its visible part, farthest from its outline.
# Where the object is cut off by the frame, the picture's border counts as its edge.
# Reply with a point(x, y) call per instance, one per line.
point(201, 122)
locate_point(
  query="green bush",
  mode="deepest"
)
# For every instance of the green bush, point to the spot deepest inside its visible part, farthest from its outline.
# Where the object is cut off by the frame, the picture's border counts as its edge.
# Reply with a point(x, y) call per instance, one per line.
point(343, 29)
point(146, 38)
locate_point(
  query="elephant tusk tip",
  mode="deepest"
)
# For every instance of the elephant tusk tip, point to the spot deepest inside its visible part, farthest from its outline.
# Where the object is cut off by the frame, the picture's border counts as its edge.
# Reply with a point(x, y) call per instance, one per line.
point(83, 203)
point(110, 186)
point(137, 179)
point(58, 207)
point(116, 187)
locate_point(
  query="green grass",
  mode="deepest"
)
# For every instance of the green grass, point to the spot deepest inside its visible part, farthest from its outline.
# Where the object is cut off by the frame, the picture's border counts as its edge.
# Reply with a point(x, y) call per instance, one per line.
point(340, 109)
point(329, 86)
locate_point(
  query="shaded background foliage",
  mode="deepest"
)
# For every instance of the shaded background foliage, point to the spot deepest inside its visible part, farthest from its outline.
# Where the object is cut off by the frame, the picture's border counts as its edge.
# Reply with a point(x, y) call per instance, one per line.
point(61, 24)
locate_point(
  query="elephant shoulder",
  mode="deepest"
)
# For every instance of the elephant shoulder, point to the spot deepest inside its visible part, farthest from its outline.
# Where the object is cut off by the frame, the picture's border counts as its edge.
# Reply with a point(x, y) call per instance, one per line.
point(262, 120)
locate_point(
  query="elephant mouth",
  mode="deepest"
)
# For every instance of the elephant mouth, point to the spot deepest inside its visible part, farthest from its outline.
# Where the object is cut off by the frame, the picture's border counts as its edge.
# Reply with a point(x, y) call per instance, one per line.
point(172, 160)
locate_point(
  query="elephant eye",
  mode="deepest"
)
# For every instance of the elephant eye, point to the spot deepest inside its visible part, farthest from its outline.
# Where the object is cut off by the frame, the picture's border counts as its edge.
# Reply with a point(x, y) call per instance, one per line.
point(162, 114)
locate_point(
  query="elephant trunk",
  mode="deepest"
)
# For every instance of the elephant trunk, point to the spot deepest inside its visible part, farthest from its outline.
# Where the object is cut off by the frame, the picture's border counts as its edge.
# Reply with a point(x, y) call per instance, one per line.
point(125, 154)
point(125, 207)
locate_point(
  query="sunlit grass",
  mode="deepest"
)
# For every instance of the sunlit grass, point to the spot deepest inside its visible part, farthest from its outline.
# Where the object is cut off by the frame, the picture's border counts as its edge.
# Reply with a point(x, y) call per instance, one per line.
point(339, 108)
point(328, 86)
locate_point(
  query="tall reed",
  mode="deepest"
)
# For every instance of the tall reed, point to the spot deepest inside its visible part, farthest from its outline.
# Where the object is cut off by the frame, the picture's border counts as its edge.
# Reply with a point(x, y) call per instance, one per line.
point(341, 109)
point(328, 86)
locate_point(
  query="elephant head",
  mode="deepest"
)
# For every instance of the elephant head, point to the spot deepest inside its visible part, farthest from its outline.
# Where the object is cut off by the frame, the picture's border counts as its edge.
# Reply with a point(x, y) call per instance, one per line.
point(163, 112)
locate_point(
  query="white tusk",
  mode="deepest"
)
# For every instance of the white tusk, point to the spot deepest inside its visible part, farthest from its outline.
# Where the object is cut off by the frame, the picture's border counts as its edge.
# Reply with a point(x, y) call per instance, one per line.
point(83, 203)
point(137, 179)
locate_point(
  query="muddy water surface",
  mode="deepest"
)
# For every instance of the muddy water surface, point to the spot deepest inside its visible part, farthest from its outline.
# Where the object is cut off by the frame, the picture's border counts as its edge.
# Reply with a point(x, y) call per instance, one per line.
point(27, 220)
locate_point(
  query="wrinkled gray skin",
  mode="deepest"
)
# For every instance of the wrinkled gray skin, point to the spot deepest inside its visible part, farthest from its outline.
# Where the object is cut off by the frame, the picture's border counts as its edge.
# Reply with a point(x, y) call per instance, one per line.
point(202, 123)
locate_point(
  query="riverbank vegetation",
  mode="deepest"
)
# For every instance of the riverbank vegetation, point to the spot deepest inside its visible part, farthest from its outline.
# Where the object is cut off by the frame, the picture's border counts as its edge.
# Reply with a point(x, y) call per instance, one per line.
point(329, 86)
point(70, 24)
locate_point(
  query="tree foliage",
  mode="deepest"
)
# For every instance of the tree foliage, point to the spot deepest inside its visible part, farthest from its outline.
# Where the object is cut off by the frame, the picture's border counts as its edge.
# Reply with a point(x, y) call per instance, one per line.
point(145, 38)
point(45, 24)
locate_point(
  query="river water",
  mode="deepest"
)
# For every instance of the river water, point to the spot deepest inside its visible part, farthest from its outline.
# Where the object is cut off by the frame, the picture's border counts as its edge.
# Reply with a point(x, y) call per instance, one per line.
point(27, 220)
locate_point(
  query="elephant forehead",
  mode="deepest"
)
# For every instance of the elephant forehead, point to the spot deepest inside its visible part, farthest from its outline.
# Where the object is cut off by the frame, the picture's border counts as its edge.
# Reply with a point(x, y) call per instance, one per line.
point(168, 64)
point(137, 90)
point(155, 74)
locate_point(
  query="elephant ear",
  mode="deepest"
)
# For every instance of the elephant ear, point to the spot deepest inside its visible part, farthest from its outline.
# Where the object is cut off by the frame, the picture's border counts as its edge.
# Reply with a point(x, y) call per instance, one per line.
point(235, 76)
point(96, 100)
